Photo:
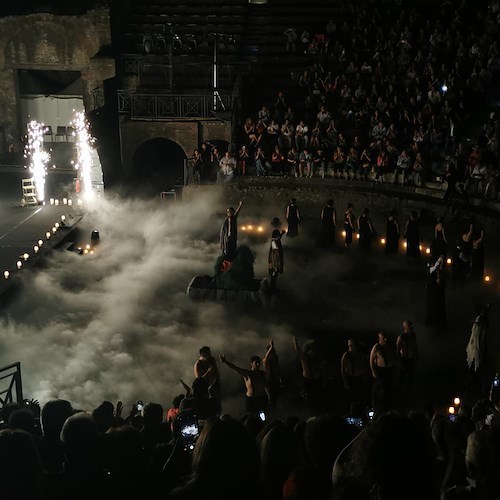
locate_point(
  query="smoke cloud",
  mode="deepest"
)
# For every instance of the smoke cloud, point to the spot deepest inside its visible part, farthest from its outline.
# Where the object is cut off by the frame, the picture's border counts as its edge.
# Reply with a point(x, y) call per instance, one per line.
point(118, 324)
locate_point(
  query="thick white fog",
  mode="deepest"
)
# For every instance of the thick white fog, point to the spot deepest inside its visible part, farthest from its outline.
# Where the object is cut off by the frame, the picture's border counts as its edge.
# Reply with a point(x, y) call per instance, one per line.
point(118, 324)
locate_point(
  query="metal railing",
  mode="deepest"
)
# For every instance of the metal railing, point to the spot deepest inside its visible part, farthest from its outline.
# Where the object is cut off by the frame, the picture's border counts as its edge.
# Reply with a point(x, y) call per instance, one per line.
point(170, 106)
point(13, 383)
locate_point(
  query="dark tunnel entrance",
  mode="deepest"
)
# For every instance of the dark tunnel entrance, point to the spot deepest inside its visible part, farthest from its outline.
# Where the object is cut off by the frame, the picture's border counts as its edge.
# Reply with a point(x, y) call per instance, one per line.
point(158, 166)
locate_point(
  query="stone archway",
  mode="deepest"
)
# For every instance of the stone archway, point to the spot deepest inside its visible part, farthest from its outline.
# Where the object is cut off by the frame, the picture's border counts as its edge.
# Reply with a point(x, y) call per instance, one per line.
point(158, 165)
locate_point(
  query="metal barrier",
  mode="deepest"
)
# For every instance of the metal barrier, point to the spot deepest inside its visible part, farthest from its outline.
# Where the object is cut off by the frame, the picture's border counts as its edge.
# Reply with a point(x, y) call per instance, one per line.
point(12, 376)
point(170, 106)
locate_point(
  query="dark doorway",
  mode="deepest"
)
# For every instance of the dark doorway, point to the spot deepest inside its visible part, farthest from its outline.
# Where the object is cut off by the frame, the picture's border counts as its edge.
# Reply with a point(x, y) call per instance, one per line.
point(158, 165)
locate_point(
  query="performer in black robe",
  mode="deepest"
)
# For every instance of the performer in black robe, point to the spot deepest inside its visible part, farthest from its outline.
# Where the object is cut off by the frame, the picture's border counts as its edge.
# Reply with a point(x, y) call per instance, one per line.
point(366, 231)
point(392, 233)
point(293, 218)
point(349, 224)
point(329, 220)
point(412, 235)
point(275, 258)
point(439, 245)
point(229, 233)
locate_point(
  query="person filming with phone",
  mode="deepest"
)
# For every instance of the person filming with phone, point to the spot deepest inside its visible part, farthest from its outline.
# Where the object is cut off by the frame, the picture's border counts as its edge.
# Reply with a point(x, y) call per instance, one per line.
point(255, 384)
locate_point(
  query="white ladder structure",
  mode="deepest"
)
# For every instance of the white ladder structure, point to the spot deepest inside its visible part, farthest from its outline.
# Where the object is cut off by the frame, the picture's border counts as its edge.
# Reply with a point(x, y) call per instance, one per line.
point(29, 192)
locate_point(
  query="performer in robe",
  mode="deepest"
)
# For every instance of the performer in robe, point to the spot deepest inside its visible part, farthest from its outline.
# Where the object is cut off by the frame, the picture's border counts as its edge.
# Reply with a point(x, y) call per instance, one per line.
point(293, 218)
point(229, 233)
point(275, 259)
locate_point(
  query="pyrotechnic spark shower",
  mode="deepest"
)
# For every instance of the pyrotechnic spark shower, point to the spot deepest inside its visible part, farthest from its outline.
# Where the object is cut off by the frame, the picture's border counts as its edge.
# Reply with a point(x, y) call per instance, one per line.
point(84, 141)
point(38, 157)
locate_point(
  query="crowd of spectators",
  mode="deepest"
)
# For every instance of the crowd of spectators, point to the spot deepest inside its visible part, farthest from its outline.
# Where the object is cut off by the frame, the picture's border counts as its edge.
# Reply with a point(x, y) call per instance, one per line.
point(193, 450)
point(392, 94)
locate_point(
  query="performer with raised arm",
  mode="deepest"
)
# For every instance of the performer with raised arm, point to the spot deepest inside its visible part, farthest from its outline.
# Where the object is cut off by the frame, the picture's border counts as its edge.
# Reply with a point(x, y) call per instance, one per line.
point(229, 232)
point(255, 384)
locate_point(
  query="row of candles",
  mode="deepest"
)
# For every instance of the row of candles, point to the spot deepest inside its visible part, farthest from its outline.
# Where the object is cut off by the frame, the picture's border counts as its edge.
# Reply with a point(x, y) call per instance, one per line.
point(36, 248)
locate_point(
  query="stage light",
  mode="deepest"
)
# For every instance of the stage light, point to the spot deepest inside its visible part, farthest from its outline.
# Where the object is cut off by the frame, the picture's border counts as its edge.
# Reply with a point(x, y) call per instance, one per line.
point(47, 235)
point(86, 251)
point(456, 401)
point(51, 201)
point(444, 87)
point(448, 261)
point(382, 240)
point(26, 256)
point(54, 229)
point(40, 243)
point(344, 234)
point(56, 225)
point(92, 252)
point(487, 279)
point(427, 251)
point(357, 236)
point(147, 43)
point(19, 264)
point(87, 247)
point(80, 202)
point(63, 218)
point(260, 229)
point(57, 203)
point(250, 227)
point(70, 203)
point(65, 201)
point(6, 275)
point(451, 410)
point(405, 244)
point(243, 228)
point(36, 248)
point(420, 247)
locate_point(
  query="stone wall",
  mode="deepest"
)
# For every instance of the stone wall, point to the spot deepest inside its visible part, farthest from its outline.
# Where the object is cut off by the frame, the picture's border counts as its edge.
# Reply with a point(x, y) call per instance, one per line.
point(271, 196)
point(187, 134)
point(48, 42)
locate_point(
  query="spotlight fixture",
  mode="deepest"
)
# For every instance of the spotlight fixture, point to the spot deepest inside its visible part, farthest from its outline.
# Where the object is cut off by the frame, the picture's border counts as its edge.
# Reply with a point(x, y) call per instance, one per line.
point(19, 264)
point(26, 256)
point(6, 275)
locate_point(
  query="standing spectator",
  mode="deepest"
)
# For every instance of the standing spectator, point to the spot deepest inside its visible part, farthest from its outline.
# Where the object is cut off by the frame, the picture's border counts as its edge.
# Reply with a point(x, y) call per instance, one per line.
point(285, 140)
point(275, 259)
point(227, 168)
point(255, 384)
point(292, 160)
point(382, 367)
point(301, 136)
point(260, 162)
point(329, 221)
point(403, 165)
point(277, 159)
point(291, 38)
point(206, 161)
point(305, 163)
point(349, 221)
point(197, 165)
point(392, 233)
point(244, 158)
point(293, 218)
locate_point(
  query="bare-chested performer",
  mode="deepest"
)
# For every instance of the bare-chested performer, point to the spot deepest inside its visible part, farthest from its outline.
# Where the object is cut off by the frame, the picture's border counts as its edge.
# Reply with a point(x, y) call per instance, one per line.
point(255, 383)
point(206, 368)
